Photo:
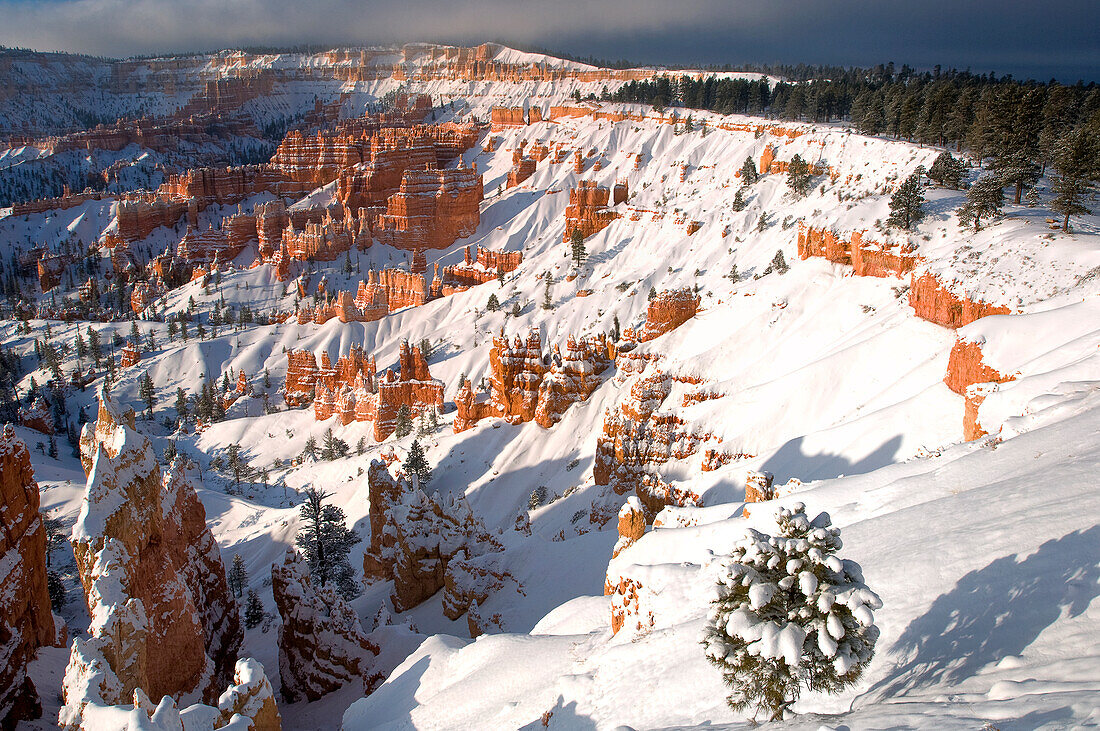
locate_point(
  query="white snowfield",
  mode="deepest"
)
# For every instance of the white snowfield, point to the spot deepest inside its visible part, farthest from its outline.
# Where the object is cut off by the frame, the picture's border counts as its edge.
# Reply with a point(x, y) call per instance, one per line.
point(986, 555)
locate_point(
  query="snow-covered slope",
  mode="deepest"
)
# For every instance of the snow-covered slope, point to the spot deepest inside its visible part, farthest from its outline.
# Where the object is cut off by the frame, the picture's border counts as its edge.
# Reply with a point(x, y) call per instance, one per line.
point(983, 553)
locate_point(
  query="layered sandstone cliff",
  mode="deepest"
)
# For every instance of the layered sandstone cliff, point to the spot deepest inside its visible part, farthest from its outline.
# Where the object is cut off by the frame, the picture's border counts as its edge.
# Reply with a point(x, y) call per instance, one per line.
point(322, 646)
point(868, 258)
point(163, 619)
point(25, 619)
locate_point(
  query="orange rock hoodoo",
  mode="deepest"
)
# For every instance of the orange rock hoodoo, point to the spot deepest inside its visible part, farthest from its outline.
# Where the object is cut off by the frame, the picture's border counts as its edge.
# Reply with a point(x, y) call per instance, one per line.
point(638, 437)
point(587, 211)
point(25, 619)
point(868, 258)
point(934, 302)
point(426, 542)
point(528, 386)
point(351, 392)
point(667, 311)
point(163, 619)
point(969, 376)
point(322, 646)
point(431, 209)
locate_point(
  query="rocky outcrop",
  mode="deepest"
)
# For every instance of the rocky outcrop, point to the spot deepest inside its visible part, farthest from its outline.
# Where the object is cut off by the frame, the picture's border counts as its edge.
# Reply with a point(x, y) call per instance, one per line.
point(631, 525)
point(933, 301)
point(868, 258)
point(965, 367)
point(131, 355)
point(427, 542)
point(322, 646)
point(572, 377)
point(382, 293)
point(163, 619)
point(638, 437)
point(352, 392)
point(25, 619)
point(485, 267)
point(587, 211)
point(470, 407)
point(431, 209)
point(37, 416)
point(667, 311)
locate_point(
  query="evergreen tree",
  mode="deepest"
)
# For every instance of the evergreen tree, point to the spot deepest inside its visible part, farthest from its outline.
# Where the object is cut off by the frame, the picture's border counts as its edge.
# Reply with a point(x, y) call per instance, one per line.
point(547, 299)
point(402, 426)
point(790, 615)
point(798, 176)
point(253, 610)
point(81, 348)
point(493, 304)
point(762, 222)
point(310, 447)
point(947, 171)
point(146, 391)
point(748, 172)
point(326, 542)
point(56, 588)
point(906, 205)
point(56, 535)
point(181, 403)
point(984, 198)
point(417, 464)
point(237, 576)
point(94, 347)
point(1077, 169)
point(236, 464)
point(576, 246)
point(739, 203)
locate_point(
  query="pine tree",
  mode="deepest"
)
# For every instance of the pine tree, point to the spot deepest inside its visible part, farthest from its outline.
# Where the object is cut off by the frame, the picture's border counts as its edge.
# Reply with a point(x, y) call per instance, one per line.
point(798, 176)
point(326, 542)
point(310, 447)
point(748, 172)
point(417, 464)
point(493, 304)
point(1077, 169)
point(56, 535)
point(402, 425)
point(236, 464)
point(547, 299)
point(906, 205)
point(181, 403)
point(762, 222)
point(739, 203)
point(146, 391)
point(984, 198)
point(790, 615)
point(56, 588)
point(253, 610)
point(576, 246)
point(947, 171)
point(237, 576)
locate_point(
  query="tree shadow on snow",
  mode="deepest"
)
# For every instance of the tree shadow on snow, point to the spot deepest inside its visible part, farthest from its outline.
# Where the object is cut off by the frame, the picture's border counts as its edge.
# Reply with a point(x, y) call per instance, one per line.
point(563, 716)
point(791, 461)
point(997, 611)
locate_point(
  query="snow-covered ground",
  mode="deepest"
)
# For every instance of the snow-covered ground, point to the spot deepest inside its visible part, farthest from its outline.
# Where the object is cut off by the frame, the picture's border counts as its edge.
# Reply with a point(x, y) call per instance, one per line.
point(984, 553)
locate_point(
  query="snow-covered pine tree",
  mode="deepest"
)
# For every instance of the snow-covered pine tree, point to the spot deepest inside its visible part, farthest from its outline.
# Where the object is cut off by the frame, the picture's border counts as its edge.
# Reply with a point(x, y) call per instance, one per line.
point(790, 615)
point(748, 172)
point(237, 576)
point(762, 222)
point(493, 304)
point(947, 171)
point(417, 464)
point(576, 246)
point(906, 204)
point(253, 609)
point(326, 541)
point(1077, 168)
point(798, 176)
point(739, 203)
point(402, 425)
point(984, 198)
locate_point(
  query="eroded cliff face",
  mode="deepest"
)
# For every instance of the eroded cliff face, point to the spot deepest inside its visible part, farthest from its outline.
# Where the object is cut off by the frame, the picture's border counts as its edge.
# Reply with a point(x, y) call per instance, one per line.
point(667, 311)
point(426, 542)
point(322, 646)
point(25, 620)
point(867, 257)
point(163, 619)
point(933, 301)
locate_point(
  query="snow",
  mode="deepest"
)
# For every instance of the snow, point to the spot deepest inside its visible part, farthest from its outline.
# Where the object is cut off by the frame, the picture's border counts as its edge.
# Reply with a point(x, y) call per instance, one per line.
point(984, 553)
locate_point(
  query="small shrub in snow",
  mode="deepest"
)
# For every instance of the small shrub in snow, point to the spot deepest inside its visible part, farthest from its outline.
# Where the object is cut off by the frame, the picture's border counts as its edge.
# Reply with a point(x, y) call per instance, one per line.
point(538, 497)
point(790, 615)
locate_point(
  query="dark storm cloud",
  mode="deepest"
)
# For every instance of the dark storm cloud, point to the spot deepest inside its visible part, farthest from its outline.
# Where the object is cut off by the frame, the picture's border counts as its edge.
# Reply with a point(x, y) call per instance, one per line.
point(1028, 38)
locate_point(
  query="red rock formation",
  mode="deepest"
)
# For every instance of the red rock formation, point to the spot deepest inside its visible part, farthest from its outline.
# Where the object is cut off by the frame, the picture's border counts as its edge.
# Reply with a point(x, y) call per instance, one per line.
point(504, 117)
point(145, 293)
point(130, 355)
point(766, 159)
point(424, 543)
point(631, 525)
point(587, 211)
point(758, 489)
point(516, 374)
point(868, 258)
point(522, 169)
point(322, 646)
point(301, 375)
point(25, 619)
point(667, 311)
point(137, 218)
point(431, 209)
point(50, 269)
point(37, 416)
point(965, 367)
point(470, 407)
point(163, 619)
point(572, 377)
point(975, 395)
point(485, 267)
point(383, 292)
point(934, 302)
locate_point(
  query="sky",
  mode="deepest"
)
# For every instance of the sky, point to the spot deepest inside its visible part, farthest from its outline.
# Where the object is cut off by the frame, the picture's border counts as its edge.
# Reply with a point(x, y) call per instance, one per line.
point(1039, 39)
